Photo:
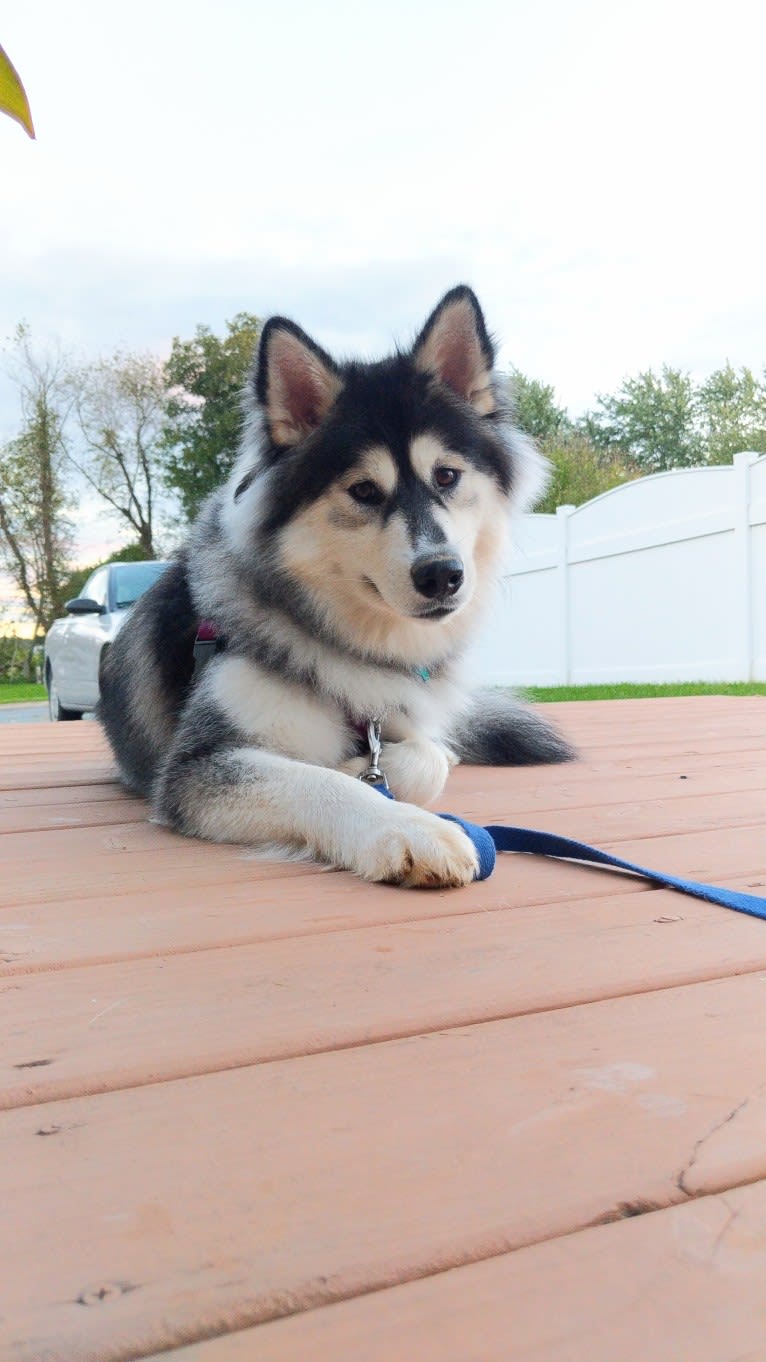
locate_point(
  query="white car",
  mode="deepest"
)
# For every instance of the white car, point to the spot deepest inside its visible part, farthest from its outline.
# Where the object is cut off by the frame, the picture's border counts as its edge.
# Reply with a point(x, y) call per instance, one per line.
point(76, 645)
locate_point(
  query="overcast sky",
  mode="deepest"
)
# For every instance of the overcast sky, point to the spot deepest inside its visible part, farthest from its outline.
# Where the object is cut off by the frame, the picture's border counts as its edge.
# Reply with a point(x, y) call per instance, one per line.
point(595, 170)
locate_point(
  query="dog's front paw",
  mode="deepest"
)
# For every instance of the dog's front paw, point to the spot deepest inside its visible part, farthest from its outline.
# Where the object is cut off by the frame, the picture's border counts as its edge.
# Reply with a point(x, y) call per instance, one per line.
point(419, 850)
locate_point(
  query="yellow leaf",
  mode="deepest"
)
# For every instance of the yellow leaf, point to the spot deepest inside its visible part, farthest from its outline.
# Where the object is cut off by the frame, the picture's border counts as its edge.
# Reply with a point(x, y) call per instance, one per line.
point(13, 100)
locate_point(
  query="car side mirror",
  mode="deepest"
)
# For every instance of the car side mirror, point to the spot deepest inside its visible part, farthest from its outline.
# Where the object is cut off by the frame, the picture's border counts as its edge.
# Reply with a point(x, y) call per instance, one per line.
point(84, 605)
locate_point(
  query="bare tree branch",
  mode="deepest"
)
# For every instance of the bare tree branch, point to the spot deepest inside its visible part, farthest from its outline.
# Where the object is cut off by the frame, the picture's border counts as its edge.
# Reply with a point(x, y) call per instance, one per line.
point(34, 532)
point(119, 408)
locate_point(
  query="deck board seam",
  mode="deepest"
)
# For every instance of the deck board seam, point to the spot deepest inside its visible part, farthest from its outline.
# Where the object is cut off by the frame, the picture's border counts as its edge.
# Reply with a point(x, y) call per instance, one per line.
point(26, 969)
point(549, 811)
point(391, 1038)
point(411, 1275)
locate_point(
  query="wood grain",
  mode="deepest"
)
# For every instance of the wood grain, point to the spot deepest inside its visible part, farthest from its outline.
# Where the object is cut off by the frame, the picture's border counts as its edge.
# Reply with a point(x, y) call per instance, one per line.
point(297, 1116)
point(242, 1196)
point(681, 1285)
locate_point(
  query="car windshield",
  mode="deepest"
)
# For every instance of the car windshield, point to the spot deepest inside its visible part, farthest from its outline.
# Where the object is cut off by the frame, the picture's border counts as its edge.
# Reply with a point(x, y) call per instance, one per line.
point(131, 580)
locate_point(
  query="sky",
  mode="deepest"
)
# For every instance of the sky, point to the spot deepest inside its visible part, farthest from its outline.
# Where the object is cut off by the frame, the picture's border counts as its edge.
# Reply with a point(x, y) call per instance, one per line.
point(594, 170)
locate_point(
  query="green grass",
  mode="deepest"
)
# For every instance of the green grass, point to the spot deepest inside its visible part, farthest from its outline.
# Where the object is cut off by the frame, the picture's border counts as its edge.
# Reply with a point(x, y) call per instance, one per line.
point(629, 691)
point(16, 692)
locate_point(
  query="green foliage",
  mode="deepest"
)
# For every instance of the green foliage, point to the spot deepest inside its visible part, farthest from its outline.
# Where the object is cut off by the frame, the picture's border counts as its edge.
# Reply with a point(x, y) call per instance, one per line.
point(731, 408)
point(13, 99)
point(653, 419)
point(580, 470)
point(666, 421)
point(129, 553)
point(205, 377)
point(17, 658)
point(535, 409)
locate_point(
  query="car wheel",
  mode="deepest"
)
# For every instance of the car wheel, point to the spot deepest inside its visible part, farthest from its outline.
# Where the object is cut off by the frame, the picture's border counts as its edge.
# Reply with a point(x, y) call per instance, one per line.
point(56, 710)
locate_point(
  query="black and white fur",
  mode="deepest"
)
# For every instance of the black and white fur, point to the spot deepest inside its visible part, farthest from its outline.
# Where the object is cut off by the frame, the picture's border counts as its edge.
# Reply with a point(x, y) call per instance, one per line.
point(353, 545)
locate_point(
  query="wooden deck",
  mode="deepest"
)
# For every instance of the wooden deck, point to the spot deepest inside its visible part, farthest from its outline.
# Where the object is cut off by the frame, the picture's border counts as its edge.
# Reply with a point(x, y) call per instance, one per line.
point(268, 1113)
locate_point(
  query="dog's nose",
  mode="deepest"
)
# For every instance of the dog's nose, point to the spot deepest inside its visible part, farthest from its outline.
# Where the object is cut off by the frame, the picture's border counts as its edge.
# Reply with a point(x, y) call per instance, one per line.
point(438, 577)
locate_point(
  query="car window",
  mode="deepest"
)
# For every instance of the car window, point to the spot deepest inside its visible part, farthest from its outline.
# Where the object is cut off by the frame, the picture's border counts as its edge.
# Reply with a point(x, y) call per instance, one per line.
point(131, 580)
point(96, 586)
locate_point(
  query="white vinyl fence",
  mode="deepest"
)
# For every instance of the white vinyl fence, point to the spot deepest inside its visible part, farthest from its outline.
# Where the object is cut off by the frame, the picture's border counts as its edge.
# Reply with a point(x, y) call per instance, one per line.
point(662, 579)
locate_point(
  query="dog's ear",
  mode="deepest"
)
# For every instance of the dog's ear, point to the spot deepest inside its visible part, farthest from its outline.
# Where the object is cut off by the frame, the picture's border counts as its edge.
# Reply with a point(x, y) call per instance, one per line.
point(296, 382)
point(455, 347)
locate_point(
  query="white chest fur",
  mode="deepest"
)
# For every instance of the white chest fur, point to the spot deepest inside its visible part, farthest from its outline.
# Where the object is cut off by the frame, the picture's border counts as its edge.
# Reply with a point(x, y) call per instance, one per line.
point(277, 714)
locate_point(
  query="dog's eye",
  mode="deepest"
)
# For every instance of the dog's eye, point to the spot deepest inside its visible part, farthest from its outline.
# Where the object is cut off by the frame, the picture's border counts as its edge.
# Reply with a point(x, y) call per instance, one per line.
point(446, 477)
point(367, 492)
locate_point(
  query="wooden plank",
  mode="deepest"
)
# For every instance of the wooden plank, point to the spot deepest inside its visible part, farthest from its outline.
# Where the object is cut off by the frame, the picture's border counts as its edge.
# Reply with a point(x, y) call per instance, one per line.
point(613, 791)
point(167, 905)
point(681, 812)
point(681, 1285)
point(215, 896)
point(25, 775)
point(599, 725)
point(678, 746)
point(74, 794)
point(171, 909)
point(525, 793)
point(657, 712)
point(671, 762)
point(39, 755)
point(28, 809)
point(36, 737)
point(497, 794)
point(74, 813)
point(97, 1029)
point(93, 862)
point(213, 1203)
point(98, 862)
point(270, 902)
point(642, 755)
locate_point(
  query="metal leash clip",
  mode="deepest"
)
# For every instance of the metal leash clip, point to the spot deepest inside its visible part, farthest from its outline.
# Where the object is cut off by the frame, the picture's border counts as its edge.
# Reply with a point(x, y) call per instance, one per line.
point(373, 775)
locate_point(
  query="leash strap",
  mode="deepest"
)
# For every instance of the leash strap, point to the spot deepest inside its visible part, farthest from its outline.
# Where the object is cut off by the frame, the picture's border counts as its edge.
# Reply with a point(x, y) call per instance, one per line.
point(528, 841)
point(498, 837)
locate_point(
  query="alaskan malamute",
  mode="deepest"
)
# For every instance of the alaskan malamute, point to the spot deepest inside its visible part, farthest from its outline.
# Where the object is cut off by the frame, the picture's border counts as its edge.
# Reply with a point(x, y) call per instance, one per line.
point(342, 569)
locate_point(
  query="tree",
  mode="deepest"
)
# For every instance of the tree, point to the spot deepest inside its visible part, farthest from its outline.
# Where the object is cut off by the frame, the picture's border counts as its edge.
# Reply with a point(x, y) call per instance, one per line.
point(535, 407)
point(732, 413)
point(17, 658)
point(579, 470)
point(205, 377)
point(119, 411)
point(35, 536)
point(652, 418)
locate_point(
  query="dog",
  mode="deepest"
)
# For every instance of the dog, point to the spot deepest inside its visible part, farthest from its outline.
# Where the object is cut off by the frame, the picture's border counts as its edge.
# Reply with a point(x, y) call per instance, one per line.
point(344, 566)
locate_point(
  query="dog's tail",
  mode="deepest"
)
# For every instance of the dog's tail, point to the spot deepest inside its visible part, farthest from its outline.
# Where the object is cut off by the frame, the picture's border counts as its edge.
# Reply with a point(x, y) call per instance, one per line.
point(497, 730)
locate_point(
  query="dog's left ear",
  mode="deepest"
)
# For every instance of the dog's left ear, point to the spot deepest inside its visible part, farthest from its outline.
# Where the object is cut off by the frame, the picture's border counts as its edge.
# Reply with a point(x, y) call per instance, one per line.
point(455, 347)
point(296, 382)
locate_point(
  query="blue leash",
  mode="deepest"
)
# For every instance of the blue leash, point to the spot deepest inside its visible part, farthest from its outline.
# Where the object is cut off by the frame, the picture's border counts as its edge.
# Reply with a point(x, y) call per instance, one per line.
point(499, 837)
point(488, 841)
